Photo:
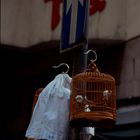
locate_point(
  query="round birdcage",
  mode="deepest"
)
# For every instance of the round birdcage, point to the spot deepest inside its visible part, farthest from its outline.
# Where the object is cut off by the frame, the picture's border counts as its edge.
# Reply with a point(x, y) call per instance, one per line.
point(93, 99)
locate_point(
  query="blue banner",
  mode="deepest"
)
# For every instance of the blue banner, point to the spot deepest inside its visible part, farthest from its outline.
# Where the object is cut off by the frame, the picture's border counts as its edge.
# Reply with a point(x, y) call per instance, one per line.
point(74, 23)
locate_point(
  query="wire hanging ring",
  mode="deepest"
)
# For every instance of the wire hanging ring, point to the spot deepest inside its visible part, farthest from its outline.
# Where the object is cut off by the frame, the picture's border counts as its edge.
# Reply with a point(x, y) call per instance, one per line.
point(62, 65)
point(87, 52)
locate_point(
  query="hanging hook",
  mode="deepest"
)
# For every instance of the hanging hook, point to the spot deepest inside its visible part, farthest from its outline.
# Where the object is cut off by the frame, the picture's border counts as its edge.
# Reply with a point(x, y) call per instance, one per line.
point(87, 52)
point(92, 66)
point(61, 65)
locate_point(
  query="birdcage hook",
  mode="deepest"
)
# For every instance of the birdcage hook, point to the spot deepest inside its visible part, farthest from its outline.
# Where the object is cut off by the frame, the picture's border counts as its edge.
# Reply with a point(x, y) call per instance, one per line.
point(62, 65)
point(92, 66)
point(87, 52)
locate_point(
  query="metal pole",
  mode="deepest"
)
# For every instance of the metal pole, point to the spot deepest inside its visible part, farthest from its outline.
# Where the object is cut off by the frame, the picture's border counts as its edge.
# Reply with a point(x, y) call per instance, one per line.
point(80, 59)
point(80, 64)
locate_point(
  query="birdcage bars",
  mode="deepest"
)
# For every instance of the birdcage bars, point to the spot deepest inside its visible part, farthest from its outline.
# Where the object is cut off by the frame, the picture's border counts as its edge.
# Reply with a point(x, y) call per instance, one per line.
point(93, 98)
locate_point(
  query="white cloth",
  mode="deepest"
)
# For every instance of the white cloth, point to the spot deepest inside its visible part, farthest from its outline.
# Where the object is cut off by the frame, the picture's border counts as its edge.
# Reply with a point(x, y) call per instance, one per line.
point(50, 118)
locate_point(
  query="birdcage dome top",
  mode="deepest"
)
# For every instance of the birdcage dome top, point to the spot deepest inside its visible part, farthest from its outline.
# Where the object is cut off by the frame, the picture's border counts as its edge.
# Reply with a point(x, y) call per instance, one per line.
point(92, 73)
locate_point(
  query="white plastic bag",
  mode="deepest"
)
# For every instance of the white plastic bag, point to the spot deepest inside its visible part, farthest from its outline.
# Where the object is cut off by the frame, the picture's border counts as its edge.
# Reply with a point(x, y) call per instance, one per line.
point(50, 118)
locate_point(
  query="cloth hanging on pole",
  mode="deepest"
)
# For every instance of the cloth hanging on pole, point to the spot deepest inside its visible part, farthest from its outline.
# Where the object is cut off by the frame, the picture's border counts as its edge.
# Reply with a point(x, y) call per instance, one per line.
point(50, 118)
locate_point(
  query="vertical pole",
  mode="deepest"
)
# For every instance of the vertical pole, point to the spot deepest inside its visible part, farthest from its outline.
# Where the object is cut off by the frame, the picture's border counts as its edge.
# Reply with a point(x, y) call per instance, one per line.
point(80, 64)
point(80, 59)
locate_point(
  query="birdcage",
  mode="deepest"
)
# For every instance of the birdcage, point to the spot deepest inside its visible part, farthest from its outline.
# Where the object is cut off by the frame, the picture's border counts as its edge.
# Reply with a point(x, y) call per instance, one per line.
point(93, 99)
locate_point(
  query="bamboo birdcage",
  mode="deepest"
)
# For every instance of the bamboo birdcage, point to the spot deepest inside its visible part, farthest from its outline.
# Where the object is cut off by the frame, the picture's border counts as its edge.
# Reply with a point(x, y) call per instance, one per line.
point(93, 99)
